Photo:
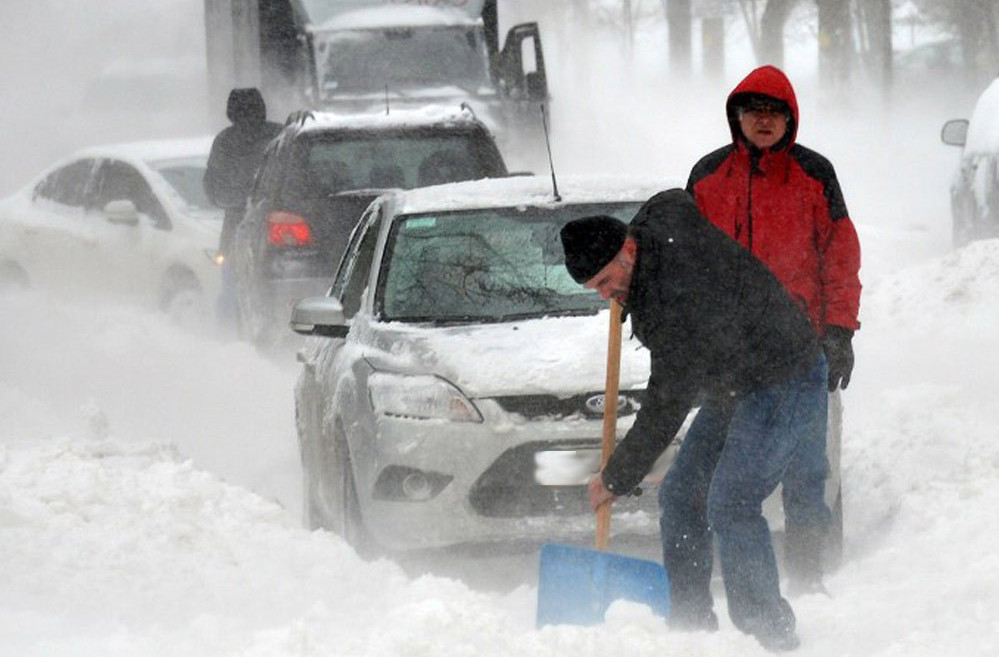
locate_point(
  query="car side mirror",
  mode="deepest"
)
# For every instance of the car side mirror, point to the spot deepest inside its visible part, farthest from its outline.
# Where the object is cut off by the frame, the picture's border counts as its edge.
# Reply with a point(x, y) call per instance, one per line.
point(320, 316)
point(121, 212)
point(955, 132)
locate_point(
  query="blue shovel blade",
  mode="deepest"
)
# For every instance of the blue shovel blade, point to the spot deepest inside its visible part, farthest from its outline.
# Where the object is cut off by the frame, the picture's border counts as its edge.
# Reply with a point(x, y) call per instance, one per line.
point(577, 585)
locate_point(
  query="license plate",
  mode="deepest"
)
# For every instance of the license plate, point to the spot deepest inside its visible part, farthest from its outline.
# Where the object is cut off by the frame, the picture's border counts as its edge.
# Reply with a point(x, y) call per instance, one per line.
point(566, 467)
point(574, 467)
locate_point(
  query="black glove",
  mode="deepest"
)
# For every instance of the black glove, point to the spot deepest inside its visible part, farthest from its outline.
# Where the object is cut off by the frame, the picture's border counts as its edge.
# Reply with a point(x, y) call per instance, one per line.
point(839, 354)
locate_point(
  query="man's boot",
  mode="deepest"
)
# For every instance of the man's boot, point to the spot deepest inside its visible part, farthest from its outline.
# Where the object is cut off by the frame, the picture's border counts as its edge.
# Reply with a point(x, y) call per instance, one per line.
point(803, 560)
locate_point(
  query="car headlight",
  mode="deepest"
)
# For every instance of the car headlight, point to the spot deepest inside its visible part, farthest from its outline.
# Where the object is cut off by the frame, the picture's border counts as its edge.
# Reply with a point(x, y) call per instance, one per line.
point(421, 397)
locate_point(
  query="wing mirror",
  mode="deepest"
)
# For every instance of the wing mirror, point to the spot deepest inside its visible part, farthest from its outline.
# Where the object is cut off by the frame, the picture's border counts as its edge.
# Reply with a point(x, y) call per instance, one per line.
point(955, 132)
point(321, 316)
point(122, 212)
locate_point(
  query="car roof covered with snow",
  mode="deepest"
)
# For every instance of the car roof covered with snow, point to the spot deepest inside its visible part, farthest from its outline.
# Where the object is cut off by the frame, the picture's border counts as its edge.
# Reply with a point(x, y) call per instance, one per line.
point(151, 150)
point(394, 119)
point(530, 191)
point(394, 16)
point(983, 129)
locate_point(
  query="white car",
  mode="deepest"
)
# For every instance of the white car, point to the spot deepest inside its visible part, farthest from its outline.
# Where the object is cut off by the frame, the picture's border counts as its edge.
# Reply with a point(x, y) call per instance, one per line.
point(974, 189)
point(454, 391)
point(127, 221)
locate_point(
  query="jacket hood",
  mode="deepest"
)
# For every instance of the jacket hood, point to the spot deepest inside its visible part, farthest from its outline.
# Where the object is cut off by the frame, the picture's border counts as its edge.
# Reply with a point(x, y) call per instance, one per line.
point(765, 81)
point(246, 106)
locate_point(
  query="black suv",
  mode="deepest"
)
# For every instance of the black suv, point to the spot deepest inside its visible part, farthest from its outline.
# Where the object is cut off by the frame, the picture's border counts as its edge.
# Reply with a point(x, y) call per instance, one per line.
point(318, 176)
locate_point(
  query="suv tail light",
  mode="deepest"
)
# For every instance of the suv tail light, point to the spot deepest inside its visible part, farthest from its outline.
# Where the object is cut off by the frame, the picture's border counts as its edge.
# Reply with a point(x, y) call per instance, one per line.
point(287, 229)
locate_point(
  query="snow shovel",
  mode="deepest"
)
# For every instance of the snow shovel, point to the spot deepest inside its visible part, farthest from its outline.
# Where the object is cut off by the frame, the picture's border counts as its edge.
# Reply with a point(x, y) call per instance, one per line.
point(577, 585)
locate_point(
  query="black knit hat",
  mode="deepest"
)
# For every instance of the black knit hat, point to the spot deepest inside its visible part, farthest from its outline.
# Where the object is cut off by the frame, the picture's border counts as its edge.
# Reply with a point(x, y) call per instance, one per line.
point(590, 243)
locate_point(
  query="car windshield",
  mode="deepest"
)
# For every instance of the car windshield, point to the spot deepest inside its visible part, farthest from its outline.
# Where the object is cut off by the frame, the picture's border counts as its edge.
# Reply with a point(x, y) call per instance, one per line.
point(397, 59)
point(485, 265)
point(186, 178)
point(337, 162)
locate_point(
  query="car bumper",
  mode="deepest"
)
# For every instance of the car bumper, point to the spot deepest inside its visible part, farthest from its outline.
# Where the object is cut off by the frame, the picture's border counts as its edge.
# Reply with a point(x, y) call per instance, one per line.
point(434, 484)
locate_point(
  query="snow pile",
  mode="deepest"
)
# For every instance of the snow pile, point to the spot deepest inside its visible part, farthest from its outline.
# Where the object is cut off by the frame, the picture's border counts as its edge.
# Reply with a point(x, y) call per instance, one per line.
point(119, 545)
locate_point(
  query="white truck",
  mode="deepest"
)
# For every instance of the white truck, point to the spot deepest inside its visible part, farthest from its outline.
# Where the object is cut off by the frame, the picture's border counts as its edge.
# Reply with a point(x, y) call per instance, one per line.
point(358, 55)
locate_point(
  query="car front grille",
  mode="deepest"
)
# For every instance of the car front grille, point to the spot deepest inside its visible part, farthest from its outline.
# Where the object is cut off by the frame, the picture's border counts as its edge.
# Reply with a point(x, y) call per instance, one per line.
point(550, 407)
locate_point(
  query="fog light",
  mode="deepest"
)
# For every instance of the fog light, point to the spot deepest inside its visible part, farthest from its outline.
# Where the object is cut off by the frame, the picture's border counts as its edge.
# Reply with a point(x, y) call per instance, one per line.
point(404, 484)
point(416, 486)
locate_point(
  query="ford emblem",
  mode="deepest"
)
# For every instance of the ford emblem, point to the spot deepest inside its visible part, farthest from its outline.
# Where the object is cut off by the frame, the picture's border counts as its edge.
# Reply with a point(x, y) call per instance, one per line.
point(596, 404)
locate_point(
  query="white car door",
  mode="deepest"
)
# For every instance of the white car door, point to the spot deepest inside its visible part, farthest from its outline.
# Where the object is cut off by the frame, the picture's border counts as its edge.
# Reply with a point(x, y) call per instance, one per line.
point(129, 243)
point(57, 234)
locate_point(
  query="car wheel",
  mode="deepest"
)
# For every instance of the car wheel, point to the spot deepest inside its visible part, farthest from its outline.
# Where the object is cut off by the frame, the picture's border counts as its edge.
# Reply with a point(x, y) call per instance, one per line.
point(252, 326)
point(182, 298)
point(310, 514)
point(354, 530)
point(333, 501)
point(964, 214)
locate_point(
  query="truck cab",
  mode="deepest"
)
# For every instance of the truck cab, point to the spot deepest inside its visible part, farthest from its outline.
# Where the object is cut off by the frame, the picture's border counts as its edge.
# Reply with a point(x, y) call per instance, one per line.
point(360, 55)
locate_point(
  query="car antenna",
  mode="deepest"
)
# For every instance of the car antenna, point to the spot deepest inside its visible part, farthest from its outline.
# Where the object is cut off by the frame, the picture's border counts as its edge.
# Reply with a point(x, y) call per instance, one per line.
point(548, 144)
point(386, 99)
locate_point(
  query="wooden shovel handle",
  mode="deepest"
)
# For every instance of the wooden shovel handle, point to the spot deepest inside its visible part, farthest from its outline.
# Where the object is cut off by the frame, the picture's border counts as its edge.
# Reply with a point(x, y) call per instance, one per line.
point(610, 414)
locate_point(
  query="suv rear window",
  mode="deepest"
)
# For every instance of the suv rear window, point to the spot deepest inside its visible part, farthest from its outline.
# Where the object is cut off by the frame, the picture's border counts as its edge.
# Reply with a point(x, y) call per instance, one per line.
point(335, 163)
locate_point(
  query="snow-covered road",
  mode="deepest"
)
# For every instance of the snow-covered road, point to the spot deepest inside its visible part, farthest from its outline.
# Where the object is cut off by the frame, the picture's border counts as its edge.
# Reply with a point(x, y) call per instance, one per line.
point(149, 501)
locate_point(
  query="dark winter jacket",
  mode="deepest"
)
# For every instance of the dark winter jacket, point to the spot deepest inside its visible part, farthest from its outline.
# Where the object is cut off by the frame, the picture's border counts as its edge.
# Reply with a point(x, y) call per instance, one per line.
point(236, 154)
point(714, 319)
point(789, 212)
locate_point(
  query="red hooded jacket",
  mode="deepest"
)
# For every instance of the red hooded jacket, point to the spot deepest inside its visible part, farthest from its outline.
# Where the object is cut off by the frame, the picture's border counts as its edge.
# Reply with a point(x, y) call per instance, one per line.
point(785, 205)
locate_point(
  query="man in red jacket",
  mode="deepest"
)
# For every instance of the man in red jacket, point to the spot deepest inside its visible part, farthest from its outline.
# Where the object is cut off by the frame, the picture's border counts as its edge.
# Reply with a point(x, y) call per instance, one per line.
point(783, 203)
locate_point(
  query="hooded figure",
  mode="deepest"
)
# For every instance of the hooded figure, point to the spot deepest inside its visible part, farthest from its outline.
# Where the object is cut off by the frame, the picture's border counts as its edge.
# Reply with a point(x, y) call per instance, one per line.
point(235, 156)
point(783, 203)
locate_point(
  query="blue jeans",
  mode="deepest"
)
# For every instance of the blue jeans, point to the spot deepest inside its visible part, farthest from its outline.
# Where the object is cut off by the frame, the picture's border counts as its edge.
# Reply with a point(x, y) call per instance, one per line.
point(807, 517)
point(736, 452)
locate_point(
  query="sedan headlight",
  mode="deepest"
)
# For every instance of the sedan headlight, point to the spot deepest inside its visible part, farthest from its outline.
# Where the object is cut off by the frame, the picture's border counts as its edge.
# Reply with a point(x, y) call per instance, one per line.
point(420, 397)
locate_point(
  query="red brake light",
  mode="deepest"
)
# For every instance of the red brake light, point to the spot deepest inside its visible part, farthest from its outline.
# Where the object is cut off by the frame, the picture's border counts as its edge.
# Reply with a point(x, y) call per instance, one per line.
point(287, 229)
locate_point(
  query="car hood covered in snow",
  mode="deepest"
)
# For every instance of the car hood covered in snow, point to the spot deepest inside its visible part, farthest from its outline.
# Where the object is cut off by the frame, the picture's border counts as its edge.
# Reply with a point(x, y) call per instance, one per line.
point(560, 356)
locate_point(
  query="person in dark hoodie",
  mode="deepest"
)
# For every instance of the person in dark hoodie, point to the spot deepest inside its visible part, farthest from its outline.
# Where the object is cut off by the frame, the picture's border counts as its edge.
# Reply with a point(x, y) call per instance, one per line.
point(723, 332)
point(233, 161)
point(782, 202)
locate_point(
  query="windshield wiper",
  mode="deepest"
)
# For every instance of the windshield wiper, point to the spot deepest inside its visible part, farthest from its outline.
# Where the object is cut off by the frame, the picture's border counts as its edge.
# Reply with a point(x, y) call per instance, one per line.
point(447, 320)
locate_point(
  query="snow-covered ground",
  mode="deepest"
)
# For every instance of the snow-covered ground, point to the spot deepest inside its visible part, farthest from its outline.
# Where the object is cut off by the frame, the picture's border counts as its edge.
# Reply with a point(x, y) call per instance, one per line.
point(149, 501)
point(149, 477)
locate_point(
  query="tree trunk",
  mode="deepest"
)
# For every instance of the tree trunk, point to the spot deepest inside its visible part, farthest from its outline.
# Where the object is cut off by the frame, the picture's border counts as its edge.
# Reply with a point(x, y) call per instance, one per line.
point(713, 47)
point(679, 26)
point(877, 15)
point(629, 31)
point(976, 23)
point(772, 23)
point(834, 43)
